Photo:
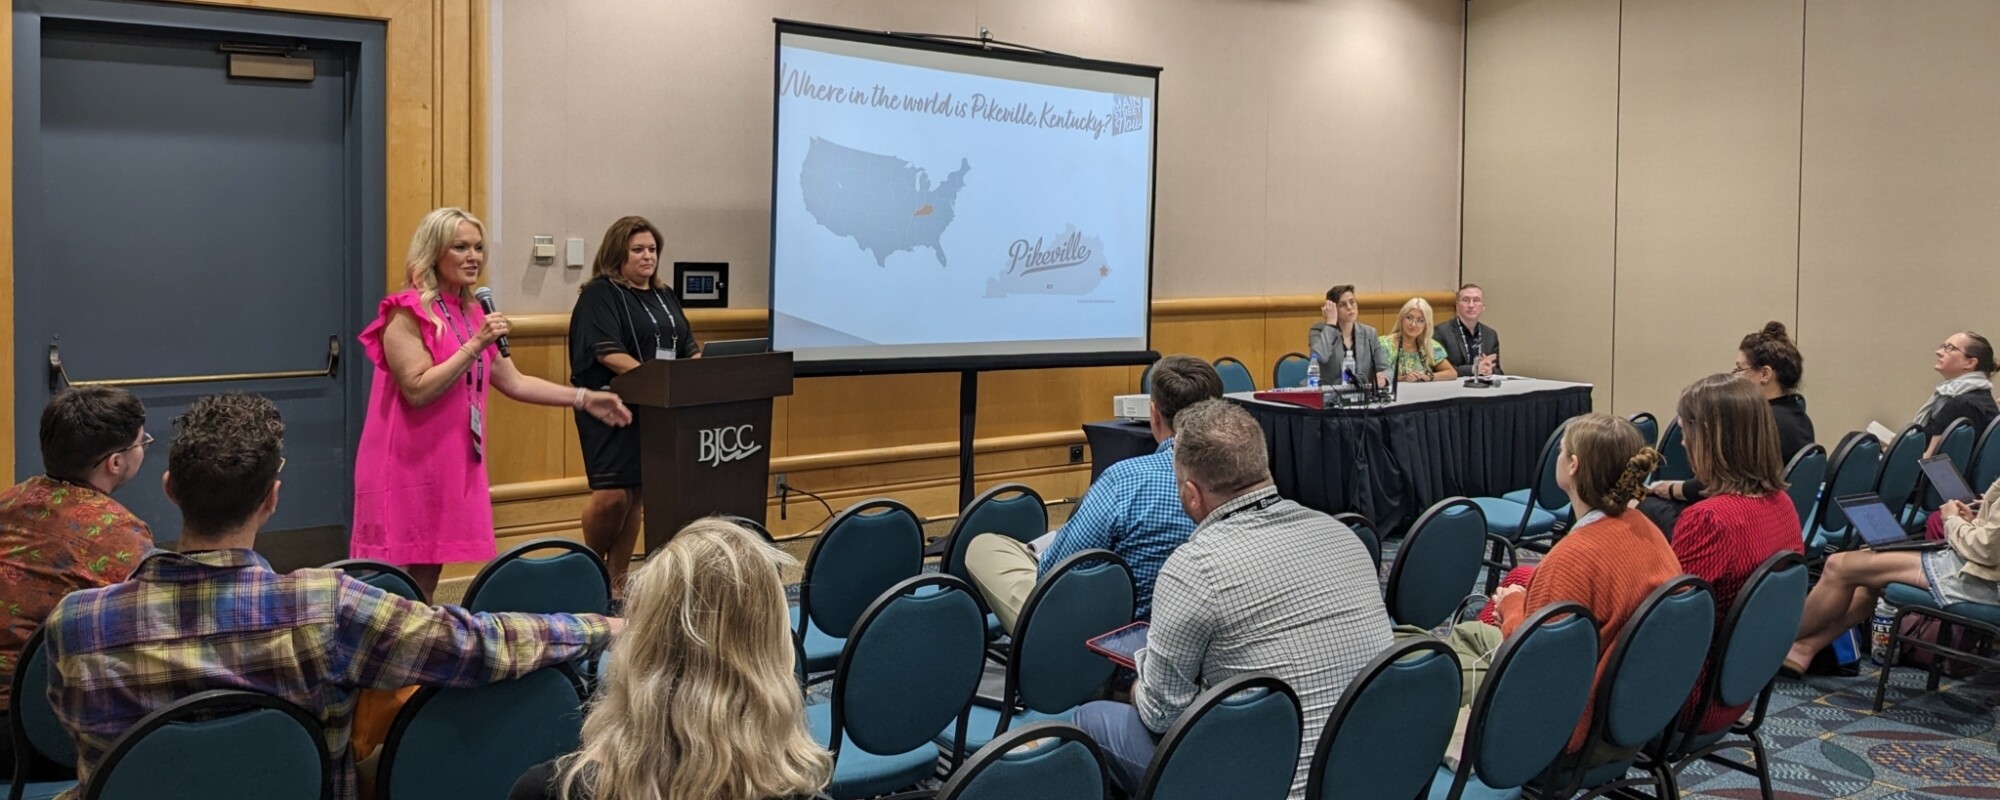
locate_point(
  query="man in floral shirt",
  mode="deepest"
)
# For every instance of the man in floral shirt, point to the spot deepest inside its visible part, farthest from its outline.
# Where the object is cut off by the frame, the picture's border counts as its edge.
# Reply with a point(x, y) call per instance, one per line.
point(61, 531)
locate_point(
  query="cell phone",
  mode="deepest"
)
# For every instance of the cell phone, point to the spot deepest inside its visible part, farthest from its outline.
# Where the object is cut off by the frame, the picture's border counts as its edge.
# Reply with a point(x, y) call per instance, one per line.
point(1121, 645)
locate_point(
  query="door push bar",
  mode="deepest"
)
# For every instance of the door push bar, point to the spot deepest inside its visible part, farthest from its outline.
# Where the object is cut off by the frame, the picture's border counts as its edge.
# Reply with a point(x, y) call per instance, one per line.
point(59, 379)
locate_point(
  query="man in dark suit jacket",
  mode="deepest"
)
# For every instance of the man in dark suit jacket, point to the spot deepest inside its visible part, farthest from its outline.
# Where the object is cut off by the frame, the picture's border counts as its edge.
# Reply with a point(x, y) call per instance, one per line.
point(1466, 335)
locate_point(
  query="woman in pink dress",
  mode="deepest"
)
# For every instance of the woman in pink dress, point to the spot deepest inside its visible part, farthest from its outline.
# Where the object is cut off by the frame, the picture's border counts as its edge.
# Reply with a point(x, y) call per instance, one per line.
point(420, 487)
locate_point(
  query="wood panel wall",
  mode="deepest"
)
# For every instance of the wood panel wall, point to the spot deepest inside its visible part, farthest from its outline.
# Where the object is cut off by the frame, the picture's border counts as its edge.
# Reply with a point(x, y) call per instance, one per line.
point(436, 133)
point(855, 437)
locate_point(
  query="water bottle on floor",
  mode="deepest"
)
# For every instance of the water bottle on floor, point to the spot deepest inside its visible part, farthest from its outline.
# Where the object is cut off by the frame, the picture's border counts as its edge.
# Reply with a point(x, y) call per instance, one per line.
point(1878, 628)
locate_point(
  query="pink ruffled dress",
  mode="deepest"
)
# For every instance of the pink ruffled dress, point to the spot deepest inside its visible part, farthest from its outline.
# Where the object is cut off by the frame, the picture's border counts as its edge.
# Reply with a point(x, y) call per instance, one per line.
point(421, 494)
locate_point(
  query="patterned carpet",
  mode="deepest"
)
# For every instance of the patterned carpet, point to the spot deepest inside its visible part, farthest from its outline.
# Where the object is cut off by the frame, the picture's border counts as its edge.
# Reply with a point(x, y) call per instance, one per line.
point(1827, 742)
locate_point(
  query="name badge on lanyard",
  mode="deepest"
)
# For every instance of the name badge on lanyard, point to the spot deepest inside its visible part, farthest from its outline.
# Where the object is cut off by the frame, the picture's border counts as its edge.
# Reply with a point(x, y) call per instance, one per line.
point(664, 354)
point(478, 433)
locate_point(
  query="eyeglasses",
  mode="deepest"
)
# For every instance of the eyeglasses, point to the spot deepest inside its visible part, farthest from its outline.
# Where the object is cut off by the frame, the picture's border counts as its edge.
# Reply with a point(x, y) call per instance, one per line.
point(144, 439)
point(1739, 370)
point(281, 465)
point(1951, 348)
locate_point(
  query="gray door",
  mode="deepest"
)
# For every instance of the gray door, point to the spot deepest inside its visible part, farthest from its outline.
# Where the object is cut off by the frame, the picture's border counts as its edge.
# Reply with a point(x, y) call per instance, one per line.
point(192, 224)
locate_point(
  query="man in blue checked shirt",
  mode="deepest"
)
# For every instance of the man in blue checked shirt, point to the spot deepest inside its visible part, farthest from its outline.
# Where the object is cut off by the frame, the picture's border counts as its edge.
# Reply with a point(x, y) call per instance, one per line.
point(1134, 509)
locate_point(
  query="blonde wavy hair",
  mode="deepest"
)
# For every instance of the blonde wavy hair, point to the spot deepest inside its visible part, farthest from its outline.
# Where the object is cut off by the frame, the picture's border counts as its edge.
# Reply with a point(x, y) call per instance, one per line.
point(1430, 328)
point(700, 700)
point(434, 235)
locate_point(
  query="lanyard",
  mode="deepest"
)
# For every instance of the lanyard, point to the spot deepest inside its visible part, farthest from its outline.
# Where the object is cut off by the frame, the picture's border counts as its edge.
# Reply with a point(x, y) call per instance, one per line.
point(656, 320)
point(475, 377)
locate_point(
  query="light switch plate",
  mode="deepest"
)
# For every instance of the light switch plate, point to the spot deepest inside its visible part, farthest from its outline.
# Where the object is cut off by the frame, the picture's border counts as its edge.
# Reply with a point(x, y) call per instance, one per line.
point(576, 253)
point(545, 250)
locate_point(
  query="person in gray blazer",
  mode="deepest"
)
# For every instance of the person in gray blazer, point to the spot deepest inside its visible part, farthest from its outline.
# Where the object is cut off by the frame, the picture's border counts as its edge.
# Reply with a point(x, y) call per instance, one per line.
point(1342, 332)
point(1465, 335)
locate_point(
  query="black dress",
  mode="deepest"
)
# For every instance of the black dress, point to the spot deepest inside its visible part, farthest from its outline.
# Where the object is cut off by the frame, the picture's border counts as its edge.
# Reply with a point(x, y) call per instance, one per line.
point(614, 318)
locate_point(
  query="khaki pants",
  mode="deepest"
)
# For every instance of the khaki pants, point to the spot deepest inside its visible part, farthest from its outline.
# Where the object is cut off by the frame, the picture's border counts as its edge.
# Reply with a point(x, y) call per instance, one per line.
point(1474, 643)
point(1003, 568)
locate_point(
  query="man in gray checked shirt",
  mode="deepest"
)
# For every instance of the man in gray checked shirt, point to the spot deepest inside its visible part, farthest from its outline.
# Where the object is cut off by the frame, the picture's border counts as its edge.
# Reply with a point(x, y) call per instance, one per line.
point(1263, 585)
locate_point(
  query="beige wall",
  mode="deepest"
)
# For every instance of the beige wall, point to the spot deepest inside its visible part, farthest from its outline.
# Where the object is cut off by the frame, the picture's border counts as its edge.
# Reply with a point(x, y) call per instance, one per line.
point(1830, 164)
point(1301, 143)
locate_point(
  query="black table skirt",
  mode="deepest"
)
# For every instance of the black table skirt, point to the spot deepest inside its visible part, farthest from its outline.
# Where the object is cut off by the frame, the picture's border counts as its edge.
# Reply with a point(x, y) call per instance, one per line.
point(1391, 463)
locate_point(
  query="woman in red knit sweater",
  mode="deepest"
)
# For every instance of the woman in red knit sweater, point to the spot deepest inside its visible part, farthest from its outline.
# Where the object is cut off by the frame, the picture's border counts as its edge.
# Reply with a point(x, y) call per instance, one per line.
point(1732, 443)
point(1611, 559)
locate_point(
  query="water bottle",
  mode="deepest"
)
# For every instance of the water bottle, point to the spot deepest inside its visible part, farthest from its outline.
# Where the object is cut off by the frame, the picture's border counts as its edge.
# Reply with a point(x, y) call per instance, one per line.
point(1879, 627)
point(1347, 370)
point(1312, 373)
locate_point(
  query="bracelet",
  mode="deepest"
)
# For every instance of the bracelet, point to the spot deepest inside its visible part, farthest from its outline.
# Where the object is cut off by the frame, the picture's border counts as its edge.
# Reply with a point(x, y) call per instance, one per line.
point(578, 403)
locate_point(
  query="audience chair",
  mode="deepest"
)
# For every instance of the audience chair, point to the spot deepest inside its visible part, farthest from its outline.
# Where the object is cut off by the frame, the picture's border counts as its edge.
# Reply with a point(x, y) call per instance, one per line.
point(1046, 761)
point(1526, 708)
point(1235, 376)
point(865, 550)
point(1851, 470)
point(1652, 668)
point(1013, 509)
point(1438, 564)
point(1383, 736)
point(1746, 655)
point(754, 526)
point(1648, 425)
point(1526, 518)
point(1978, 620)
point(1290, 371)
point(1804, 477)
point(1240, 740)
point(1985, 467)
point(908, 671)
point(1366, 531)
point(39, 737)
point(449, 743)
point(1896, 482)
point(573, 581)
point(197, 749)
point(1051, 672)
point(1674, 464)
point(1956, 443)
point(381, 575)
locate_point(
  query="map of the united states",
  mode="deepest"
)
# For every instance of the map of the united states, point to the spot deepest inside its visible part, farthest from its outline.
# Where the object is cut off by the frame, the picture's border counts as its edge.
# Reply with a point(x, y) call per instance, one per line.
point(882, 202)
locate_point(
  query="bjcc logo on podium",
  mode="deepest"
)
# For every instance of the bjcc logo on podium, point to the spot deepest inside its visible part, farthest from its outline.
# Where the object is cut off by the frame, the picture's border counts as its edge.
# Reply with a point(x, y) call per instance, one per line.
point(729, 443)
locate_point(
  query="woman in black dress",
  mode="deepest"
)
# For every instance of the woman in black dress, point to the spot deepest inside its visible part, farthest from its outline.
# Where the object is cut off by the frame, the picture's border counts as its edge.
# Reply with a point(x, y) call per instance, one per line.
point(625, 316)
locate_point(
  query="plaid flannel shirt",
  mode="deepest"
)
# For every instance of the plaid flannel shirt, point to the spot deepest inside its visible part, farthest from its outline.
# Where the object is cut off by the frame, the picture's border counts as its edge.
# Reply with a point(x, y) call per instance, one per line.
point(221, 619)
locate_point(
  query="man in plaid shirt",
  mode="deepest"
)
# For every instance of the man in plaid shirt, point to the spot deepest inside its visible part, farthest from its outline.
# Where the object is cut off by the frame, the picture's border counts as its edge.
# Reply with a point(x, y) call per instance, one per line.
point(214, 615)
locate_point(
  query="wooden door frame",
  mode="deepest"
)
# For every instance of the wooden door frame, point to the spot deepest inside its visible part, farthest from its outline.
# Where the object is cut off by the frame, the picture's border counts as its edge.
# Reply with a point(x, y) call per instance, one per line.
point(435, 130)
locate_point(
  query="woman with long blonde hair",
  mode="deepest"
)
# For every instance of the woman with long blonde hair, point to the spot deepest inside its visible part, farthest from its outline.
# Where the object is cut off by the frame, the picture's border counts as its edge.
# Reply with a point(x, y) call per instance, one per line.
point(420, 483)
point(699, 701)
point(1413, 355)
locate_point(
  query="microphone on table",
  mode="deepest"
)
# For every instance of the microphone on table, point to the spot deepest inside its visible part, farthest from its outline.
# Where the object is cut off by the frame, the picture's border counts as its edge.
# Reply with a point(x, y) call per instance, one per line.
point(485, 297)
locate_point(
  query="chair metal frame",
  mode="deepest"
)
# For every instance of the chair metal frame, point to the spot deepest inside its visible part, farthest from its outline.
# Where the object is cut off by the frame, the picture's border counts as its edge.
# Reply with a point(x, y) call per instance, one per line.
point(1005, 744)
point(1365, 531)
point(1170, 742)
point(837, 722)
point(1476, 732)
point(1358, 688)
point(1392, 588)
point(1806, 516)
point(1010, 696)
point(521, 551)
point(406, 716)
point(1985, 635)
point(26, 754)
point(202, 706)
point(1571, 765)
point(1508, 547)
point(1675, 752)
point(358, 567)
point(1651, 441)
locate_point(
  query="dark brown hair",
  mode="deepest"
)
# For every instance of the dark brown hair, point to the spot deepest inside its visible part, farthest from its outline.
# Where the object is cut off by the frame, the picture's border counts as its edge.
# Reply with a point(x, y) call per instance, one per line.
point(1981, 351)
point(1335, 292)
point(227, 451)
point(1612, 461)
point(610, 261)
point(1181, 381)
point(1772, 347)
point(84, 425)
point(1732, 439)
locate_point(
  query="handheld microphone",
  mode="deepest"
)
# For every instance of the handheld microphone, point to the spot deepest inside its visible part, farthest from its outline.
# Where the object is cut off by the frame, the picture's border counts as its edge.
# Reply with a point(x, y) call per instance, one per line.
point(485, 297)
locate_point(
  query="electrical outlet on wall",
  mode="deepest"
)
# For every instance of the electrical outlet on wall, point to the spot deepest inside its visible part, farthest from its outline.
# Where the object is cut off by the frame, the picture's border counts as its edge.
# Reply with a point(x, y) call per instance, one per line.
point(1076, 454)
point(778, 482)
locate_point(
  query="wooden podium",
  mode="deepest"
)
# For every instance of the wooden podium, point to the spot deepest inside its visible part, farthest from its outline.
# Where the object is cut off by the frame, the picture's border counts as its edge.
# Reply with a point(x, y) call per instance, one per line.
point(704, 435)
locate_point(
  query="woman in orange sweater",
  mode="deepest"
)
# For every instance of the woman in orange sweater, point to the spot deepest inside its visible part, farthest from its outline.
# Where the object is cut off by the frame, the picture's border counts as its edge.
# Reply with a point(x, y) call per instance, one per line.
point(1611, 559)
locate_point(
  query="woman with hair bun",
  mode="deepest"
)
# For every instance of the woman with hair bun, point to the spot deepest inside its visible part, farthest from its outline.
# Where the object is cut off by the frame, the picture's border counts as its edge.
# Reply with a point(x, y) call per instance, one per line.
point(1770, 361)
point(1610, 560)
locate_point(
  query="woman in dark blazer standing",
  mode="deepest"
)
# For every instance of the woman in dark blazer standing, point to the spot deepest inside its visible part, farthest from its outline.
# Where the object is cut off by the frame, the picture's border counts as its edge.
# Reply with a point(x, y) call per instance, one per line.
point(625, 315)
